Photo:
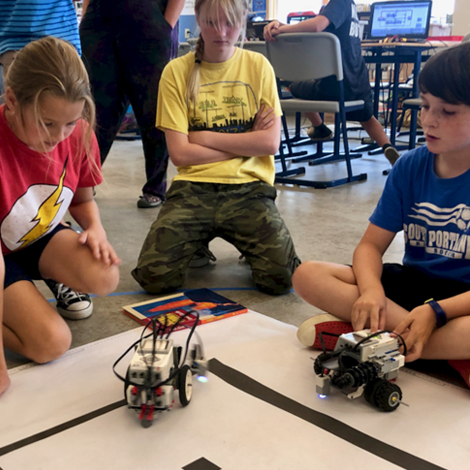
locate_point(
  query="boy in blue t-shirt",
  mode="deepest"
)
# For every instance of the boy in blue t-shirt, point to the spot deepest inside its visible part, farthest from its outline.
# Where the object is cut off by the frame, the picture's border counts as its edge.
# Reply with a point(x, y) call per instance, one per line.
point(427, 299)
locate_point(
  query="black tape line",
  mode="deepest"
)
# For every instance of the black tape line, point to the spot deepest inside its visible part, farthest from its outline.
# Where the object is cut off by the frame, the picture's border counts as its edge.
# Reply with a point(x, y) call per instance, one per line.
point(61, 427)
point(201, 464)
point(325, 422)
point(257, 390)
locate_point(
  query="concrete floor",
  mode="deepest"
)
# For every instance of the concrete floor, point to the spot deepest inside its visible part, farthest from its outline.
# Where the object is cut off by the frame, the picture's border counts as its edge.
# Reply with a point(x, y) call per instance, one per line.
point(326, 224)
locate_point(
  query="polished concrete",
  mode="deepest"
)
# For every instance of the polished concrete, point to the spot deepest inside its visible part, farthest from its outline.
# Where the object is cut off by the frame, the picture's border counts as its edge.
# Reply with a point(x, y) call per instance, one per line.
point(326, 224)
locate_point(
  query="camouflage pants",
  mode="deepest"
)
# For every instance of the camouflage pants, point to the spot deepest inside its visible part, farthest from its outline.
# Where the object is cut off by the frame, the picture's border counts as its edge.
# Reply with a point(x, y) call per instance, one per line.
point(195, 213)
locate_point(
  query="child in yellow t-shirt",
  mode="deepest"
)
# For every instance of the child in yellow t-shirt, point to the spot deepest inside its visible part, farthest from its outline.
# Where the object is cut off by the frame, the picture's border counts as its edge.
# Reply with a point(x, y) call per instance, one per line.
point(221, 114)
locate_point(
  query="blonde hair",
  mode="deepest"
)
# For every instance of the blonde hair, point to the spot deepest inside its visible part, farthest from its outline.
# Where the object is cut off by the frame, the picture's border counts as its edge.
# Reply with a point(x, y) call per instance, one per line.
point(235, 11)
point(52, 67)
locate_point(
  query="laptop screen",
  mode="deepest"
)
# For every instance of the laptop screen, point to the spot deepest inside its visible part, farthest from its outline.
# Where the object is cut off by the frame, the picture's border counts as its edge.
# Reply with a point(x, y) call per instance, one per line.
point(254, 30)
point(406, 19)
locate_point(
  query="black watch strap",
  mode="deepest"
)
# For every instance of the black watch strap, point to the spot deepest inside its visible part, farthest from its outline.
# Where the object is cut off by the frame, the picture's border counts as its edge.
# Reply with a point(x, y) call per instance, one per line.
point(441, 317)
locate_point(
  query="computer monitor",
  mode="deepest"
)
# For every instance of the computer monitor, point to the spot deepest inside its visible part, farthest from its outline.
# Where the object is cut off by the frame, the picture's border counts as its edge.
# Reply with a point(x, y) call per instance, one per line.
point(406, 18)
point(254, 30)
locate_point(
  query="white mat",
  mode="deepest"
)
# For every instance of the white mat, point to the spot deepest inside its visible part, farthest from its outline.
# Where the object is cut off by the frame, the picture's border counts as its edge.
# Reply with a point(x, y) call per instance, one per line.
point(223, 424)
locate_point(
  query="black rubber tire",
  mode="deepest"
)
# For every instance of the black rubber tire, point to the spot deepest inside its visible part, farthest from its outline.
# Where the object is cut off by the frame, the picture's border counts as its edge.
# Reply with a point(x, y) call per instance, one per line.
point(185, 385)
point(318, 363)
point(388, 397)
point(371, 389)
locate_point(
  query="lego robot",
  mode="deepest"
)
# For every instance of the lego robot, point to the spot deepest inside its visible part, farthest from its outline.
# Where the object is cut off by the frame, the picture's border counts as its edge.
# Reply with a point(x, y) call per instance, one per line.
point(363, 363)
point(154, 375)
point(158, 369)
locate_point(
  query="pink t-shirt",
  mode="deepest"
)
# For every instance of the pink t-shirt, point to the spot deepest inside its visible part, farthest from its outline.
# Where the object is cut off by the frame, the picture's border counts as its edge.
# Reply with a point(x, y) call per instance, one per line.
point(36, 189)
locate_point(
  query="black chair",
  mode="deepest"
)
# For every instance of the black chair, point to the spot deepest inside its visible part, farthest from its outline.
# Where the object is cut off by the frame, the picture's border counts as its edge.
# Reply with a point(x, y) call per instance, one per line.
point(414, 105)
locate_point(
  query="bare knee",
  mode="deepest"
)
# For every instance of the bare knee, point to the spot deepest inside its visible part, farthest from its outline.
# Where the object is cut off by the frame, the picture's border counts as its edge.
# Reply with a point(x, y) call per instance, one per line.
point(52, 342)
point(307, 276)
point(103, 282)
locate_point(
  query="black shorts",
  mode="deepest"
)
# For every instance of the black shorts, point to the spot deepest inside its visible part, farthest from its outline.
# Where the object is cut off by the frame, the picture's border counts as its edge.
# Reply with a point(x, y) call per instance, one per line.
point(315, 90)
point(23, 265)
point(410, 288)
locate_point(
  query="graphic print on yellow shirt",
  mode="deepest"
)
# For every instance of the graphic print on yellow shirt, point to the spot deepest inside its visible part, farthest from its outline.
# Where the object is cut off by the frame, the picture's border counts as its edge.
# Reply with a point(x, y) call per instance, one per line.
point(225, 107)
point(230, 95)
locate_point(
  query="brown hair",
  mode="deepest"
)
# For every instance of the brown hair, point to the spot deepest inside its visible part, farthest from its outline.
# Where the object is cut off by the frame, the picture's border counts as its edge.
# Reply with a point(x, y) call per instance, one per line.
point(52, 67)
point(235, 11)
point(446, 75)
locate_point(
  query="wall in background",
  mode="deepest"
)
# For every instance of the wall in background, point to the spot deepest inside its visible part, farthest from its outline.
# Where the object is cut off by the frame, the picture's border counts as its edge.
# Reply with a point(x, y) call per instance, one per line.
point(461, 18)
point(188, 19)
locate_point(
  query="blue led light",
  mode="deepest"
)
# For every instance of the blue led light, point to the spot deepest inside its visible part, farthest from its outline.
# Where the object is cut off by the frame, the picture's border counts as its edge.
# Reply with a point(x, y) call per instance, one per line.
point(202, 378)
point(322, 396)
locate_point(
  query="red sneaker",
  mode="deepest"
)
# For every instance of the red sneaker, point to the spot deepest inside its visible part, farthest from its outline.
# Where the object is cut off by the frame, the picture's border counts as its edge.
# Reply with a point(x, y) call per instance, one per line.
point(309, 331)
point(463, 368)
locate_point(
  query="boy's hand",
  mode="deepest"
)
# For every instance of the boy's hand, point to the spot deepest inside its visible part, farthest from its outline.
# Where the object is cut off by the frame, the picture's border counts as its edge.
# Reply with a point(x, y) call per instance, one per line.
point(420, 322)
point(4, 381)
point(370, 305)
point(271, 30)
point(96, 239)
point(264, 119)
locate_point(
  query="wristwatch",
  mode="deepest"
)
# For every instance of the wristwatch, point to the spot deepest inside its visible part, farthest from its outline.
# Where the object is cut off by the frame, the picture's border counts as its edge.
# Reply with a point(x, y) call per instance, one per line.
point(441, 317)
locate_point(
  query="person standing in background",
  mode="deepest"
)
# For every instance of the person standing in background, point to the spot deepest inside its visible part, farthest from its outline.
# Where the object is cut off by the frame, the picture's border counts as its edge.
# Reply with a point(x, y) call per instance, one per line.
point(23, 21)
point(126, 44)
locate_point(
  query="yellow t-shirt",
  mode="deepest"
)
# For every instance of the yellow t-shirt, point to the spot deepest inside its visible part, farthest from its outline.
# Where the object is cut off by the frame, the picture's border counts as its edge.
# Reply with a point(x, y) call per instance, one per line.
point(230, 95)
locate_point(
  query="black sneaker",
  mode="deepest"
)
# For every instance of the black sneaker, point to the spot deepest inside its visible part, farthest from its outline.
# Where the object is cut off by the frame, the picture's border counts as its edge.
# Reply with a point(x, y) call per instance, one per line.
point(202, 257)
point(70, 304)
point(320, 133)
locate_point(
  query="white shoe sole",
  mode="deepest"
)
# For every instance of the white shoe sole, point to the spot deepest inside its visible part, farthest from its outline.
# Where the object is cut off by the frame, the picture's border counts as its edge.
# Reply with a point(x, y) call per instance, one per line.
point(79, 312)
point(307, 332)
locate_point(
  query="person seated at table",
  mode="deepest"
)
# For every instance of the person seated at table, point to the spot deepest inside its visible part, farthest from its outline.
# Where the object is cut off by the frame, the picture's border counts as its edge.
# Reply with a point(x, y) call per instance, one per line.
point(340, 18)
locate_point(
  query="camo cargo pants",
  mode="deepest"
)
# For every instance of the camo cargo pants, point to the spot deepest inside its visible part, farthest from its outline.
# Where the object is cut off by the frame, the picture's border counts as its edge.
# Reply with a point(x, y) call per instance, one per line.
point(195, 213)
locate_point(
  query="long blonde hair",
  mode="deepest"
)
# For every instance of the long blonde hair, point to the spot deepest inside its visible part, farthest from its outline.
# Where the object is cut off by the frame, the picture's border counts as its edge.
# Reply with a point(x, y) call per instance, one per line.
point(52, 67)
point(235, 10)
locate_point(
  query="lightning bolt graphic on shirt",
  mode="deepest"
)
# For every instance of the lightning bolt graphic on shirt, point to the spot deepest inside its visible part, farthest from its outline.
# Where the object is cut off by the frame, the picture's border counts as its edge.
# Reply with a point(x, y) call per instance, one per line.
point(46, 214)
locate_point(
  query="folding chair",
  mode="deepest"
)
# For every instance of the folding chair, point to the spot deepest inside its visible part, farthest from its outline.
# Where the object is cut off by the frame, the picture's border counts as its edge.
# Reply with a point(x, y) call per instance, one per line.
point(414, 104)
point(255, 46)
point(306, 56)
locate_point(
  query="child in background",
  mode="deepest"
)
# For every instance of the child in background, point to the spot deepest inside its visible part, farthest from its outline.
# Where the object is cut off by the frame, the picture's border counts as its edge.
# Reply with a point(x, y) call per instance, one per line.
point(338, 17)
point(49, 162)
point(220, 112)
point(427, 299)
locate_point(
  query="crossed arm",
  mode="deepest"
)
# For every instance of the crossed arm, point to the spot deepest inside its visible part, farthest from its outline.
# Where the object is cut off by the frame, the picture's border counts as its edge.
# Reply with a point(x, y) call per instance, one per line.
point(200, 147)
